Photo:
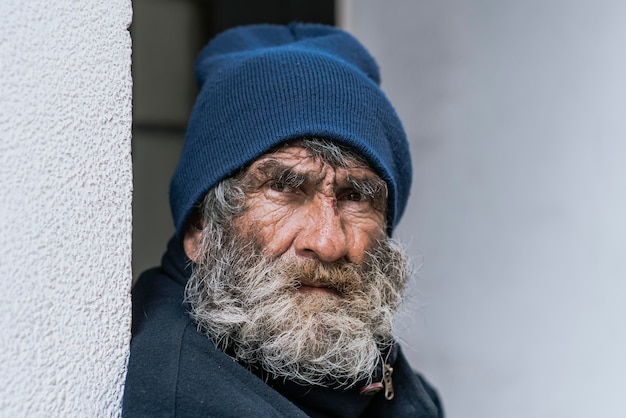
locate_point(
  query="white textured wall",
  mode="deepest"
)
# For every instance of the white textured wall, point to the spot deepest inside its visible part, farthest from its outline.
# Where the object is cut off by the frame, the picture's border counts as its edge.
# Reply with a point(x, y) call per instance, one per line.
point(517, 116)
point(65, 206)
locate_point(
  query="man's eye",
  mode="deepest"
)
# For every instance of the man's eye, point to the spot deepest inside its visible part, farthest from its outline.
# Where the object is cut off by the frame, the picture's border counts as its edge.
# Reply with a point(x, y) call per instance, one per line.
point(355, 196)
point(282, 187)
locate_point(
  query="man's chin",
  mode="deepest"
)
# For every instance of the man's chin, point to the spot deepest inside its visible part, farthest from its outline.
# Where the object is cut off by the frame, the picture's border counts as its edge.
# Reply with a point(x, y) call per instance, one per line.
point(318, 300)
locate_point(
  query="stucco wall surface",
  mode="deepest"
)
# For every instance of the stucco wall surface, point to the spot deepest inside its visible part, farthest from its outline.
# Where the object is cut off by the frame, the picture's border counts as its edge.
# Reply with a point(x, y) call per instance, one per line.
point(65, 206)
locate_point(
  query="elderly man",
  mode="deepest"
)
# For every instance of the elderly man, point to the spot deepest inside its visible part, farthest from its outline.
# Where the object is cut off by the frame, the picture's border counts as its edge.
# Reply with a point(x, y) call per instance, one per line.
point(276, 296)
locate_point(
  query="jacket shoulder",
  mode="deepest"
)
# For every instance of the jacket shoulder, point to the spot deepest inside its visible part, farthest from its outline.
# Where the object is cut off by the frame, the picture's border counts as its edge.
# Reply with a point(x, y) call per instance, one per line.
point(174, 370)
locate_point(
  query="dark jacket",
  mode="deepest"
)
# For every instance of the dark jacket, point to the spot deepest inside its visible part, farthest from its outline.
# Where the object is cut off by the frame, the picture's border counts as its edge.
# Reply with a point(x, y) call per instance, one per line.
point(175, 371)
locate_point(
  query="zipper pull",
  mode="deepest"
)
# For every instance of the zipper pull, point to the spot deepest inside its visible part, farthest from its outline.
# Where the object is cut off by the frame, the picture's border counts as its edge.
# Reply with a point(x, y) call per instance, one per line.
point(387, 372)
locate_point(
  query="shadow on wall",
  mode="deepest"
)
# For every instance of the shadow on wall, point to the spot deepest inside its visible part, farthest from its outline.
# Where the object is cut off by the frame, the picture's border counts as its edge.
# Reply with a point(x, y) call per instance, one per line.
point(167, 36)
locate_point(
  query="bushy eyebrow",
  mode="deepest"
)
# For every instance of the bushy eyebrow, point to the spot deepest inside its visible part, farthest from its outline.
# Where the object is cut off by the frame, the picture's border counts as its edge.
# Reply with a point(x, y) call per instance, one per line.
point(371, 186)
point(276, 171)
point(272, 169)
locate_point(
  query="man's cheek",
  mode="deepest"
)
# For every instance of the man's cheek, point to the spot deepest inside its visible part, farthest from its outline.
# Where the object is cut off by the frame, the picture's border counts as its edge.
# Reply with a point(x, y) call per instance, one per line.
point(271, 226)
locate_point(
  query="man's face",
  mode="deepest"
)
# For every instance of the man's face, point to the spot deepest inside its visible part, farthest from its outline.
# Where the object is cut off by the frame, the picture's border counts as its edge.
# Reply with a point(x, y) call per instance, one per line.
point(299, 207)
point(304, 283)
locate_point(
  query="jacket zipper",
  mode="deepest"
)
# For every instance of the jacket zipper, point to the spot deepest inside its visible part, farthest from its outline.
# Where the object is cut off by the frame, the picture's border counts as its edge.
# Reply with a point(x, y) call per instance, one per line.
point(387, 372)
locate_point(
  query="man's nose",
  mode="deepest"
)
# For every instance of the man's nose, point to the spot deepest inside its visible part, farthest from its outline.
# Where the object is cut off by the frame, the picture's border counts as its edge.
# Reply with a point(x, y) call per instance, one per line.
point(323, 235)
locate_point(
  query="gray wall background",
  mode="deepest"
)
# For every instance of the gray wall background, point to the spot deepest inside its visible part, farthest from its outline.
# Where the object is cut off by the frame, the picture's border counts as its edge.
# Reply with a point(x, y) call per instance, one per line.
point(517, 115)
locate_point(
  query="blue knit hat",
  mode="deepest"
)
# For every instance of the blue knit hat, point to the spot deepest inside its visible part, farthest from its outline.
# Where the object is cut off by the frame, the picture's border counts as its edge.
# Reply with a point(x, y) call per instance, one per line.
point(263, 85)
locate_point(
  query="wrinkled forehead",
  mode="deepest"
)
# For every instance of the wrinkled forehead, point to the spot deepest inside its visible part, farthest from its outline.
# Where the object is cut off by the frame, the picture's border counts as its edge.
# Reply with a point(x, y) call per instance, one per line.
point(304, 159)
point(320, 151)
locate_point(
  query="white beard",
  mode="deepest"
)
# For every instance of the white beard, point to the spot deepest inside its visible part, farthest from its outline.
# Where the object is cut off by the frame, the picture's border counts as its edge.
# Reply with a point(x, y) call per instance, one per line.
point(252, 306)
